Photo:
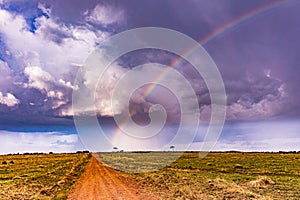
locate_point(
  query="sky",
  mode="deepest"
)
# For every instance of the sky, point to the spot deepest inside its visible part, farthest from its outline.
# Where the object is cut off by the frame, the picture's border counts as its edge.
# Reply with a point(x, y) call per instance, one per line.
point(44, 44)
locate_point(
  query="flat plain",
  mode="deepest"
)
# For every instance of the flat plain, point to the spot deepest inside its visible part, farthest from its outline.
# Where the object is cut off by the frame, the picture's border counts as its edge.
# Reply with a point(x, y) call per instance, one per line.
point(229, 175)
point(218, 175)
point(40, 176)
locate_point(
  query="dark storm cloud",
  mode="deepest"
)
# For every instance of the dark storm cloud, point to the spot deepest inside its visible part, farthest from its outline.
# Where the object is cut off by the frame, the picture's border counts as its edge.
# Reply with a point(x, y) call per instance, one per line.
point(258, 58)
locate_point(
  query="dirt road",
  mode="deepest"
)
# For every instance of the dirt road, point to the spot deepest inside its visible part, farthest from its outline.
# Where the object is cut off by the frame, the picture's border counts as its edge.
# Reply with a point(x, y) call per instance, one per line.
point(102, 182)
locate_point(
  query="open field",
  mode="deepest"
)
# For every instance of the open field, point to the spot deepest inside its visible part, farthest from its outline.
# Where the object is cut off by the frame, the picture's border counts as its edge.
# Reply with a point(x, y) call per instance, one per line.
point(40, 176)
point(218, 175)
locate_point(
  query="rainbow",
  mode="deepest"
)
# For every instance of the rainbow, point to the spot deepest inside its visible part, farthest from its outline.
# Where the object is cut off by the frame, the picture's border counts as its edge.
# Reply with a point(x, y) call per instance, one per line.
point(216, 32)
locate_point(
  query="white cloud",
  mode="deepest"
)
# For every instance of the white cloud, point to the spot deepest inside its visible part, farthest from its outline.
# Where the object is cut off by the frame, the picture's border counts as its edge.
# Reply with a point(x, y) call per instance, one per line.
point(38, 78)
point(272, 144)
point(8, 99)
point(276, 135)
point(14, 142)
point(105, 91)
point(47, 56)
point(105, 15)
point(5, 1)
point(44, 8)
point(6, 76)
point(53, 46)
point(68, 84)
point(109, 105)
point(43, 81)
point(268, 107)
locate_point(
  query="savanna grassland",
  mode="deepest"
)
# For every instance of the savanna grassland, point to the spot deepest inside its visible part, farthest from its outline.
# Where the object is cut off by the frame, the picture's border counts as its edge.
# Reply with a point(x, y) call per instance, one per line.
point(40, 176)
point(231, 175)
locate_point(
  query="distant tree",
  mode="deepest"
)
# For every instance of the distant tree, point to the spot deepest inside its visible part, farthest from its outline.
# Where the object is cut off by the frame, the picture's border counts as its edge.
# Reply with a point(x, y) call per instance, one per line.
point(172, 147)
point(115, 148)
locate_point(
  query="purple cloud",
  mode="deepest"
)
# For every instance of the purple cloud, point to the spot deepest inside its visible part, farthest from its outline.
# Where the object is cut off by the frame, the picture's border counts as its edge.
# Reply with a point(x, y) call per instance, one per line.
point(257, 58)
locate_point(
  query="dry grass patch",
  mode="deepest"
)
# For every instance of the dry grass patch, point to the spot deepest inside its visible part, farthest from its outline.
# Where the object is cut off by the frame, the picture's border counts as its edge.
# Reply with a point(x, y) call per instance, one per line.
point(40, 176)
point(227, 176)
point(261, 182)
point(230, 189)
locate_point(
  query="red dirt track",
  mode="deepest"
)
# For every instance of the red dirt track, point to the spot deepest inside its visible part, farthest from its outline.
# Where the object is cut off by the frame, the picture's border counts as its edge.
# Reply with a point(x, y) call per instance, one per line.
point(102, 182)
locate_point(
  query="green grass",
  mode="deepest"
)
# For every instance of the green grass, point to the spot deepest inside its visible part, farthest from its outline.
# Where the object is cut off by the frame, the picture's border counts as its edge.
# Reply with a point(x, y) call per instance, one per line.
point(40, 176)
point(219, 175)
point(138, 162)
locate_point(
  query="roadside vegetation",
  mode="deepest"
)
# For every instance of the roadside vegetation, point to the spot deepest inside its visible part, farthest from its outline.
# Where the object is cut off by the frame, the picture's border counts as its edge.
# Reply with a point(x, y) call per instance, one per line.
point(230, 175)
point(40, 176)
